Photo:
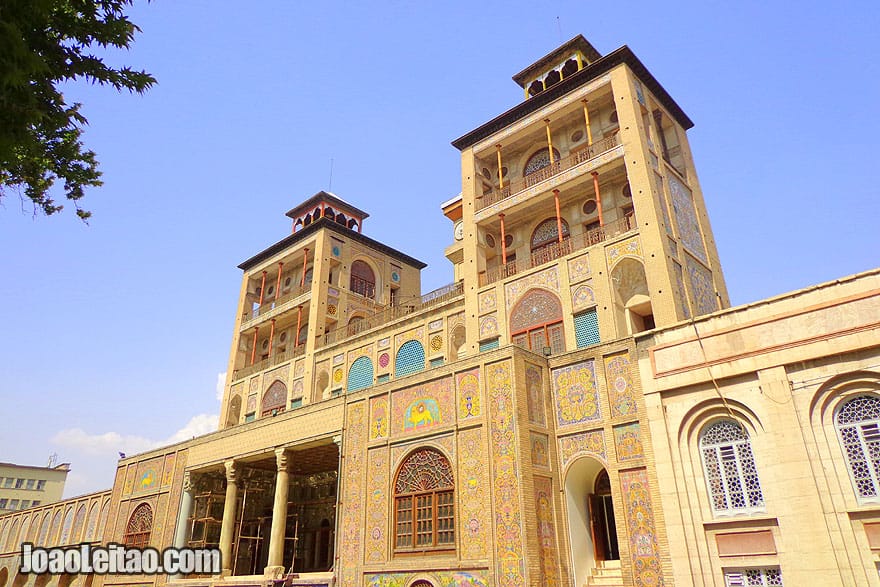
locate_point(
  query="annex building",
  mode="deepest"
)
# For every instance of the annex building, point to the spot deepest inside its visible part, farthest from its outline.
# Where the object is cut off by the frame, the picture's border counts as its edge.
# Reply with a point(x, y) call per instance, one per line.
point(579, 406)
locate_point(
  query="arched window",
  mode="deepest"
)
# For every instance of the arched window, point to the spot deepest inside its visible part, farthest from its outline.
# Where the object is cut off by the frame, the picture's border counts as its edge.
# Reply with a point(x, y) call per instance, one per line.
point(536, 322)
point(66, 527)
point(357, 324)
point(547, 233)
point(424, 502)
point(363, 281)
point(78, 524)
point(729, 467)
point(539, 160)
point(360, 375)
point(858, 423)
point(140, 524)
point(92, 525)
point(275, 399)
point(410, 358)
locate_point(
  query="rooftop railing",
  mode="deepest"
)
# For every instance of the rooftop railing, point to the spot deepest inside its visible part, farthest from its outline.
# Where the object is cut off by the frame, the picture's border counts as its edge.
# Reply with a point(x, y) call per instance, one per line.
point(275, 359)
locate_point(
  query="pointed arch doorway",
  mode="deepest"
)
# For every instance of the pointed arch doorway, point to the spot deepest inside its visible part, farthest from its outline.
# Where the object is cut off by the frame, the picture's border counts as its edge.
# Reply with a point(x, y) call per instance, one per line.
point(591, 525)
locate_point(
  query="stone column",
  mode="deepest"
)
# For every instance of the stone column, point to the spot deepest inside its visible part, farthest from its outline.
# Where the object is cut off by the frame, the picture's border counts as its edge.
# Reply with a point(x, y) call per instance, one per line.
point(227, 530)
point(275, 567)
point(186, 505)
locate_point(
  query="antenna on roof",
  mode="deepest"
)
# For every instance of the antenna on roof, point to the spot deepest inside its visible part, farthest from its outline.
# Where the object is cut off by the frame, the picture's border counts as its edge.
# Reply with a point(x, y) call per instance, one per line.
point(330, 187)
point(559, 26)
point(53, 460)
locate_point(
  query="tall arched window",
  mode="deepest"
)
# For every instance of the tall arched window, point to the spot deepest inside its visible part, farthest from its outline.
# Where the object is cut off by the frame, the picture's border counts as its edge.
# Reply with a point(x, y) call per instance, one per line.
point(729, 467)
point(547, 233)
point(360, 374)
point(858, 423)
point(363, 280)
point(140, 524)
point(410, 358)
point(536, 322)
point(424, 502)
point(539, 160)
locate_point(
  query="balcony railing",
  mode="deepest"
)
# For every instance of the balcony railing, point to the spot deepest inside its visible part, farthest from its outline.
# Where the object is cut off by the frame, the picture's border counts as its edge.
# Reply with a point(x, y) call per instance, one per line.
point(518, 185)
point(398, 310)
point(557, 250)
point(275, 359)
point(270, 305)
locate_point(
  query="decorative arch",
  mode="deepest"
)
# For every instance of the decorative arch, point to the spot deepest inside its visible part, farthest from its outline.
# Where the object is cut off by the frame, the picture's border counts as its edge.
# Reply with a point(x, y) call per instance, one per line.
point(35, 528)
point(139, 528)
point(79, 524)
point(546, 233)
point(363, 279)
point(539, 160)
point(858, 427)
point(424, 498)
point(25, 528)
point(322, 384)
point(44, 529)
point(55, 529)
point(4, 576)
point(457, 341)
point(67, 527)
point(729, 468)
point(357, 324)
point(360, 374)
point(92, 525)
point(410, 358)
point(102, 523)
point(12, 537)
point(536, 321)
point(275, 399)
point(234, 414)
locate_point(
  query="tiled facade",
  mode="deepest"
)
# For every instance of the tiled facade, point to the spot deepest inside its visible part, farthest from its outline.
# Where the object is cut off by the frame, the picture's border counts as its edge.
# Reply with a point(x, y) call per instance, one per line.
point(538, 422)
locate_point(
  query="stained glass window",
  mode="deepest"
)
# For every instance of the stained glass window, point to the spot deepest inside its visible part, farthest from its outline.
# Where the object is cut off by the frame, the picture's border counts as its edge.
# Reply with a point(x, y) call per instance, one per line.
point(536, 322)
point(424, 502)
point(540, 160)
point(858, 423)
point(140, 524)
point(547, 233)
point(274, 399)
point(729, 467)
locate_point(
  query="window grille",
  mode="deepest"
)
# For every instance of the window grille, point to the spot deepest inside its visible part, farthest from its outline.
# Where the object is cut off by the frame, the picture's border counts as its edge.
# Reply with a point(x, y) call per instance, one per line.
point(729, 467)
point(858, 424)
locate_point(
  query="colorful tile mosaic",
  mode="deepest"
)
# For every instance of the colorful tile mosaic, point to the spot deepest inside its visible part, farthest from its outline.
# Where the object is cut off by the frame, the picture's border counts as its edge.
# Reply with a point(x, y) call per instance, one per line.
point(251, 404)
point(384, 343)
point(639, 516)
point(583, 297)
point(435, 325)
point(509, 561)
point(168, 469)
point(584, 444)
point(376, 541)
point(535, 394)
point(298, 388)
point(279, 374)
point(422, 407)
point(702, 287)
point(384, 360)
point(686, 218)
point(682, 299)
point(488, 326)
point(254, 384)
point(436, 343)
point(300, 368)
point(628, 442)
point(339, 359)
point(440, 579)
point(130, 473)
point(540, 448)
point(147, 478)
point(337, 376)
point(487, 301)
point(454, 320)
point(364, 351)
point(579, 268)
point(548, 278)
point(469, 403)
point(631, 247)
point(445, 444)
point(414, 334)
point(353, 492)
point(472, 489)
point(546, 532)
point(378, 417)
point(621, 392)
point(576, 394)
point(535, 308)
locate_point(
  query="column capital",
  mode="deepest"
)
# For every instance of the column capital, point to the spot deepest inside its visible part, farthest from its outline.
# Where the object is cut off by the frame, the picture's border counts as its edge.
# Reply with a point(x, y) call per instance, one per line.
point(498, 146)
point(187, 482)
point(501, 215)
point(282, 459)
point(337, 440)
point(231, 471)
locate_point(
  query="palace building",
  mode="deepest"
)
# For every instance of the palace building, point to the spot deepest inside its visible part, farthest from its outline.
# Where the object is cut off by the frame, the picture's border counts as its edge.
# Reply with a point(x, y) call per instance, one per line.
point(579, 406)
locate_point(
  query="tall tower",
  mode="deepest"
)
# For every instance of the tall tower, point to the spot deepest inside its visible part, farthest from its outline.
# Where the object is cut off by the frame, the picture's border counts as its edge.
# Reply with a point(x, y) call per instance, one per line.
point(318, 285)
point(588, 188)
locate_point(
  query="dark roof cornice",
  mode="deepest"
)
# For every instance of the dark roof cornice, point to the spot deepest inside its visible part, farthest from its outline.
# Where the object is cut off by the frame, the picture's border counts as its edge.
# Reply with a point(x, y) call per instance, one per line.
point(340, 230)
point(623, 55)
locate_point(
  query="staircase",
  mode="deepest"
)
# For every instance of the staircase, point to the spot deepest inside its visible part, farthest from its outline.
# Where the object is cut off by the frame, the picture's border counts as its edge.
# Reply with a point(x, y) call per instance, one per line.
point(606, 573)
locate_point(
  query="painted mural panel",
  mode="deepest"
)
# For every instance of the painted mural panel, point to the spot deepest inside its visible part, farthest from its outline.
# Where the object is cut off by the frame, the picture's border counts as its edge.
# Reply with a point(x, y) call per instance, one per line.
point(683, 304)
point(353, 491)
point(422, 407)
point(147, 478)
point(639, 515)
point(579, 268)
point(376, 547)
point(472, 487)
point(440, 578)
point(546, 532)
point(576, 394)
point(621, 392)
point(535, 393)
point(510, 566)
point(631, 247)
point(378, 417)
point(628, 442)
point(469, 404)
point(686, 218)
point(548, 278)
point(540, 449)
point(584, 444)
point(487, 301)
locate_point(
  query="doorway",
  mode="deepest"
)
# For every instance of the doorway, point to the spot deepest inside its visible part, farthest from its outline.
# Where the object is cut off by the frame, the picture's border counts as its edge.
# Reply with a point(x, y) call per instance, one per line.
point(603, 528)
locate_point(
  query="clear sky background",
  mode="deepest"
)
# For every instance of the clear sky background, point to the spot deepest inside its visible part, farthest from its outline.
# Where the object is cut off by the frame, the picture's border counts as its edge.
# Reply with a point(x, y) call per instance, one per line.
point(115, 334)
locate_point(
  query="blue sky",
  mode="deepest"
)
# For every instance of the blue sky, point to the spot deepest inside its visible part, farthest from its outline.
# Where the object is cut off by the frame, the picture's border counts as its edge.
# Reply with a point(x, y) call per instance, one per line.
point(116, 332)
